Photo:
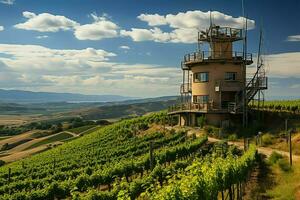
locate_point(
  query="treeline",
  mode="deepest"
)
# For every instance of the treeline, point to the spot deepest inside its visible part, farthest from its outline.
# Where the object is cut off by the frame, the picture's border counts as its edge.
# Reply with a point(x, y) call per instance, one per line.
point(53, 126)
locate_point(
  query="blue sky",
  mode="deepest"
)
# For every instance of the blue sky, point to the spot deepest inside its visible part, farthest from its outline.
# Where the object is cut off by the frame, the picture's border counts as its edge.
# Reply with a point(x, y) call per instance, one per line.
point(133, 48)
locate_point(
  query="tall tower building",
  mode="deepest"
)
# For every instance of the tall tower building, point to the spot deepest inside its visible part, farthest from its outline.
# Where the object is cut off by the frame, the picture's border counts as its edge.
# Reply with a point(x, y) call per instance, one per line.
point(214, 82)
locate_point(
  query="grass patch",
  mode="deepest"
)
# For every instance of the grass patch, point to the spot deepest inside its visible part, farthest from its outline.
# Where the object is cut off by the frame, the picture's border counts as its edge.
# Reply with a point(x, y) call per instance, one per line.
point(287, 182)
point(274, 157)
point(59, 137)
point(41, 134)
point(267, 139)
point(4, 137)
point(92, 130)
point(81, 129)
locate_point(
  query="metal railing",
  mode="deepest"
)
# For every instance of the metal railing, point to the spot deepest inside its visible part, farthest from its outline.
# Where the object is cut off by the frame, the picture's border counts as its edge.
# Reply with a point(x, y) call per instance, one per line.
point(221, 32)
point(186, 88)
point(189, 106)
point(258, 82)
point(201, 56)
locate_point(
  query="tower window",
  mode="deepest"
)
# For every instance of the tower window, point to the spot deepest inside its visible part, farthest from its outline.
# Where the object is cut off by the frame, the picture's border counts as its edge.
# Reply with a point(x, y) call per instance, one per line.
point(201, 77)
point(200, 98)
point(230, 76)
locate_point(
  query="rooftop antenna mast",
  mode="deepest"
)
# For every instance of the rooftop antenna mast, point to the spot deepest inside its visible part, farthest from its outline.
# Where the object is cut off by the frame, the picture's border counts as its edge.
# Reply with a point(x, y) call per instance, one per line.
point(210, 30)
point(245, 110)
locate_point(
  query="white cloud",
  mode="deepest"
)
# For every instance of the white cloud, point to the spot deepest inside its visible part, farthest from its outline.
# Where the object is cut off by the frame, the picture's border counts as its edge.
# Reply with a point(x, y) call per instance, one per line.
point(101, 28)
point(184, 26)
point(1, 28)
point(41, 36)
point(124, 47)
point(38, 68)
point(8, 2)
point(39, 59)
point(293, 38)
point(153, 20)
point(284, 64)
point(157, 35)
point(46, 22)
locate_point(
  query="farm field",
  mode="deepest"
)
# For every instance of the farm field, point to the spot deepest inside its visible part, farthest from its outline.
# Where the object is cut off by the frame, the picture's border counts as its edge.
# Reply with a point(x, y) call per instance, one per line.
point(126, 168)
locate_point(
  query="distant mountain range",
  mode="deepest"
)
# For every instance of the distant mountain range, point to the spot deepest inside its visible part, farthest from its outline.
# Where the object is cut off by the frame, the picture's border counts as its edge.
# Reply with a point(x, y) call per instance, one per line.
point(20, 96)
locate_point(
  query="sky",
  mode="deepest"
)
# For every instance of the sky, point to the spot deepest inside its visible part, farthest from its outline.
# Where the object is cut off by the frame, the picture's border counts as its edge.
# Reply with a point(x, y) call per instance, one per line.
point(134, 48)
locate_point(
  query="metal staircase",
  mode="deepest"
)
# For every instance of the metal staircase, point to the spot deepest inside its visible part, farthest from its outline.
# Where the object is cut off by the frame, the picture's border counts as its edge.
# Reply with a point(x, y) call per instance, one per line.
point(253, 86)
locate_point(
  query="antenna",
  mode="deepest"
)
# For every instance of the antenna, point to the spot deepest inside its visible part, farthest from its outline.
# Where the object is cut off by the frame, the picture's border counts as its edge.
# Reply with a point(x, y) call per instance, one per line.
point(245, 112)
point(210, 29)
point(210, 21)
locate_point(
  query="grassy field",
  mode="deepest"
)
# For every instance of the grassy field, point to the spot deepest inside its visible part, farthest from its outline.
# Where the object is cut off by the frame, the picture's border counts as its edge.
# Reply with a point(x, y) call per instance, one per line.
point(58, 137)
point(81, 129)
point(287, 184)
point(4, 137)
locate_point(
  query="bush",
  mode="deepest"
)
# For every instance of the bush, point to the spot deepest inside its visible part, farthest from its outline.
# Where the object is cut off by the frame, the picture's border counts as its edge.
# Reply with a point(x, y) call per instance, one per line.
point(82, 182)
point(275, 157)
point(232, 137)
point(267, 139)
point(2, 163)
point(201, 121)
point(211, 131)
point(284, 165)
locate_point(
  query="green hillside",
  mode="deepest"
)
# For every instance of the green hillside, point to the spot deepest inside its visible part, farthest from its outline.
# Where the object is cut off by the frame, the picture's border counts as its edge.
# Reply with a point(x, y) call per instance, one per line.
point(114, 163)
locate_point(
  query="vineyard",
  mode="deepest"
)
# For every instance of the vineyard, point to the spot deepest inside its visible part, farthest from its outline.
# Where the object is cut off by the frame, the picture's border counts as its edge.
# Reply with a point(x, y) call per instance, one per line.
point(281, 105)
point(118, 162)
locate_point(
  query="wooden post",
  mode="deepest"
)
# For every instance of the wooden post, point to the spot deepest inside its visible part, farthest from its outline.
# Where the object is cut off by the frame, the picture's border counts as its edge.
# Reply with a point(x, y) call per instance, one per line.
point(151, 155)
point(248, 143)
point(286, 131)
point(9, 174)
point(290, 147)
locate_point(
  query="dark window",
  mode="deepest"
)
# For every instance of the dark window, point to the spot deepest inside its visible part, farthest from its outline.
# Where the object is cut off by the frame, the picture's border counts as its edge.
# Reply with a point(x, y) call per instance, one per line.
point(201, 77)
point(230, 76)
point(200, 98)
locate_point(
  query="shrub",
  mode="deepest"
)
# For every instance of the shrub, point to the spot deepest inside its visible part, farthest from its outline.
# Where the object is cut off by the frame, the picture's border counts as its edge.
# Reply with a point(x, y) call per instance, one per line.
point(212, 131)
point(267, 139)
point(232, 137)
point(201, 121)
point(2, 163)
point(274, 157)
point(82, 182)
point(284, 165)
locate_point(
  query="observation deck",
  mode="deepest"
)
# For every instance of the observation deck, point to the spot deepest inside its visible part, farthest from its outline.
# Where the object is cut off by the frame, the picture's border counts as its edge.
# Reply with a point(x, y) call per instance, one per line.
point(205, 57)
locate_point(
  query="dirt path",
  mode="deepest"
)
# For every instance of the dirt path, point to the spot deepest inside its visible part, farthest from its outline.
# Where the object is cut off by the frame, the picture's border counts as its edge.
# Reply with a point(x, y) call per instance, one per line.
point(23, 154)
point(263, 150)
point(24, 146)
point(17, 138)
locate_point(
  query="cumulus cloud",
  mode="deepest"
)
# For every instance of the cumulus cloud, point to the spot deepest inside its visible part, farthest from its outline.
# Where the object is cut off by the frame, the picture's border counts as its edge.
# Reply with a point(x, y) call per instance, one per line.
point(101, 28)
point(1, 28)
point(39, 59)
point(284, 64)
point(195, 19)
point(184, 25)
point(8, 2)
point(89, 70)
point(46, 22)
point(293, 38)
